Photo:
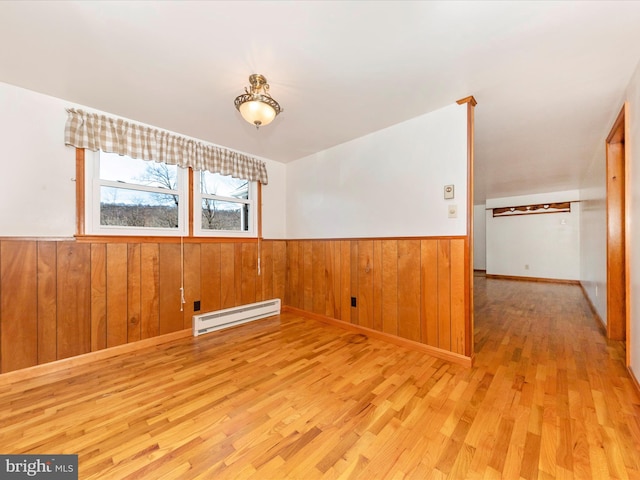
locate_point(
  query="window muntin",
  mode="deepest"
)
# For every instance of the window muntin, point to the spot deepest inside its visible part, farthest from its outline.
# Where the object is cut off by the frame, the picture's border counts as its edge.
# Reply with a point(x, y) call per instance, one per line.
point(223, 205)
point(135, 197)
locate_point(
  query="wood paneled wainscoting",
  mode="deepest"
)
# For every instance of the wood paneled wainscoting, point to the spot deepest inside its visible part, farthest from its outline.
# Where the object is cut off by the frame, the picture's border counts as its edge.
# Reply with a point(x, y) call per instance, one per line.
point(63, 298)
point(412, 291)
point(59, 298)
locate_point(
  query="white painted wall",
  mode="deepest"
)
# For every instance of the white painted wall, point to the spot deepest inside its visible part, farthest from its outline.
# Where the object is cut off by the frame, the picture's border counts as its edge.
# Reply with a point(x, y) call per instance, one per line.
point(38, 194)
point(36, 186)
point(549, 244)
point(479, 237)
point(593, 232)
point(388, 183)
point(274, 201)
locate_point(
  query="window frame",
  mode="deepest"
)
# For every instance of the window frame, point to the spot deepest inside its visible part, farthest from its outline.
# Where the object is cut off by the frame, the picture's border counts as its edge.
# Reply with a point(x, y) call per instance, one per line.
point(85, 200)
point(93, 184)
point(198, 197)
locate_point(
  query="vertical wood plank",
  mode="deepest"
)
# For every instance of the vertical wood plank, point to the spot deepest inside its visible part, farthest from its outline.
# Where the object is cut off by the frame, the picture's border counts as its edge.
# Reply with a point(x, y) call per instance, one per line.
point(307, 268)
point(468, 294)
point(150, 290)
point(458, 317)
point(47, 305)
point(319, 290)
point(353, 263)
point(301, 273)
point(210, 277)
point(267, 270)
point(259, 271)
point(390, 286)
point(329, 264)
point(74, 299)
point(192, 262)
point(237, 275)
point(116, 294)
point(98, 296)
point(345, 280)
point(288, 289)
point(133, 292)
point(365, 283)
point(227, 275)
point(169, 288)
point(279, 269)
point(377, 285)
point(444, 294)
point(249, 273)
point(293, 274)
point(337, 278)
point(19, 325)
point(429, 300)
point(409, 289)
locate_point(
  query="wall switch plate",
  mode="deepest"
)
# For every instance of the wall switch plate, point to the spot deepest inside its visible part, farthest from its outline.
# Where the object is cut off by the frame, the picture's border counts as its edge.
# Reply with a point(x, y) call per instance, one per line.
point(449, 192)
point(196, 306)
point(353, 301)
point(452, 210)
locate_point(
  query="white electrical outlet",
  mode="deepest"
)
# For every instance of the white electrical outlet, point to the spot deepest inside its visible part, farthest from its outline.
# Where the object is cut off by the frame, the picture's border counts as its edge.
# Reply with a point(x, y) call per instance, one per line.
point(452, 211)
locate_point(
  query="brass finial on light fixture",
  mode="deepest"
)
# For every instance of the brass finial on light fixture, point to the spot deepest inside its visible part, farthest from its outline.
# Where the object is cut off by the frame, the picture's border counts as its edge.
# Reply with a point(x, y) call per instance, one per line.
point(256, 105)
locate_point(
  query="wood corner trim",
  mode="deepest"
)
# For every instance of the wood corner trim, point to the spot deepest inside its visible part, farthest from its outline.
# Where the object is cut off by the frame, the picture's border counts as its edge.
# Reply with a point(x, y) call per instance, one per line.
point(385, 337)
point(634, 380)
point(85, 358)
point(520, 278)
point(80, 193)
point(469, 99)
point(616, 135)
point(592, 307)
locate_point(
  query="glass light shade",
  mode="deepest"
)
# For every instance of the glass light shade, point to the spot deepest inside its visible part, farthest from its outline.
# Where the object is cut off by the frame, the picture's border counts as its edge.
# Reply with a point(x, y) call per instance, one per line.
point(257, 112)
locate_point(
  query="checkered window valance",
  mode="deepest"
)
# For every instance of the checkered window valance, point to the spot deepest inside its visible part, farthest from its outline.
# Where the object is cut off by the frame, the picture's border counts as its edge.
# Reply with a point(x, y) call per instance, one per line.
point(114, 135)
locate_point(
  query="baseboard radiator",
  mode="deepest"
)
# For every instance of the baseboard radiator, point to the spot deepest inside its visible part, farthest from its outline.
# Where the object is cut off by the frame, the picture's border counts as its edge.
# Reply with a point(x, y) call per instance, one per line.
point(229, 317)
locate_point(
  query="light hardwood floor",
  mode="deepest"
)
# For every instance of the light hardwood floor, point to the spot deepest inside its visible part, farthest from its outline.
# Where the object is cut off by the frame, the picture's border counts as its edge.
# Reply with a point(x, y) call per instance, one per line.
point(288, 397)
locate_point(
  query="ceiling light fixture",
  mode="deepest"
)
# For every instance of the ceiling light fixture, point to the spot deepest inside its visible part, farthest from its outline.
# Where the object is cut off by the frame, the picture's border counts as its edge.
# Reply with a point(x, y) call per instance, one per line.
point(256, 105)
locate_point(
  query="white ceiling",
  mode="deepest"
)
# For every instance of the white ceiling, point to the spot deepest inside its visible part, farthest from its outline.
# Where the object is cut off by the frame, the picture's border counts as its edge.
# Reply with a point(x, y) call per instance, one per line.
point(549, 77)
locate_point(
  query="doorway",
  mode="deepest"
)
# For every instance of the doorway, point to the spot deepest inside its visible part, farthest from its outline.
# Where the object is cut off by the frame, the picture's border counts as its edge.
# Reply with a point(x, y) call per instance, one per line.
point(617, 231)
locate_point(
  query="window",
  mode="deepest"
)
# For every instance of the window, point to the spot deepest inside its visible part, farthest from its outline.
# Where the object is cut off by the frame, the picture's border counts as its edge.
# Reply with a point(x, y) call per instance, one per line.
point(127, 196)
point(223, 205)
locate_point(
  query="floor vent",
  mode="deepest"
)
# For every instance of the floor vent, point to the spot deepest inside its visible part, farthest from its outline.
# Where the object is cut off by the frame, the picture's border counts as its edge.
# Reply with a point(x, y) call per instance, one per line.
point(229, 317)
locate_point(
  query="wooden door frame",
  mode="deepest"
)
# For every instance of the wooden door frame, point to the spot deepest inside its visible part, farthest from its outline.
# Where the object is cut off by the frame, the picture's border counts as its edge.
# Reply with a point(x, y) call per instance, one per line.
point(618, 230)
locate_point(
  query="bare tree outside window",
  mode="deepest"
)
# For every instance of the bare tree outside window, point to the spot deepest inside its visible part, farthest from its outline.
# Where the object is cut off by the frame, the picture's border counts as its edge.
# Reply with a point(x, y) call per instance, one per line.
point(123, 204)
point(224, 202)
point(209, 208)
point(158, 174)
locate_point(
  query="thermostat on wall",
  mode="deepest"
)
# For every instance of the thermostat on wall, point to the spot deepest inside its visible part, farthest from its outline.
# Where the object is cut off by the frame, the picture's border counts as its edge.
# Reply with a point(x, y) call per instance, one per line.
point(448, 192)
